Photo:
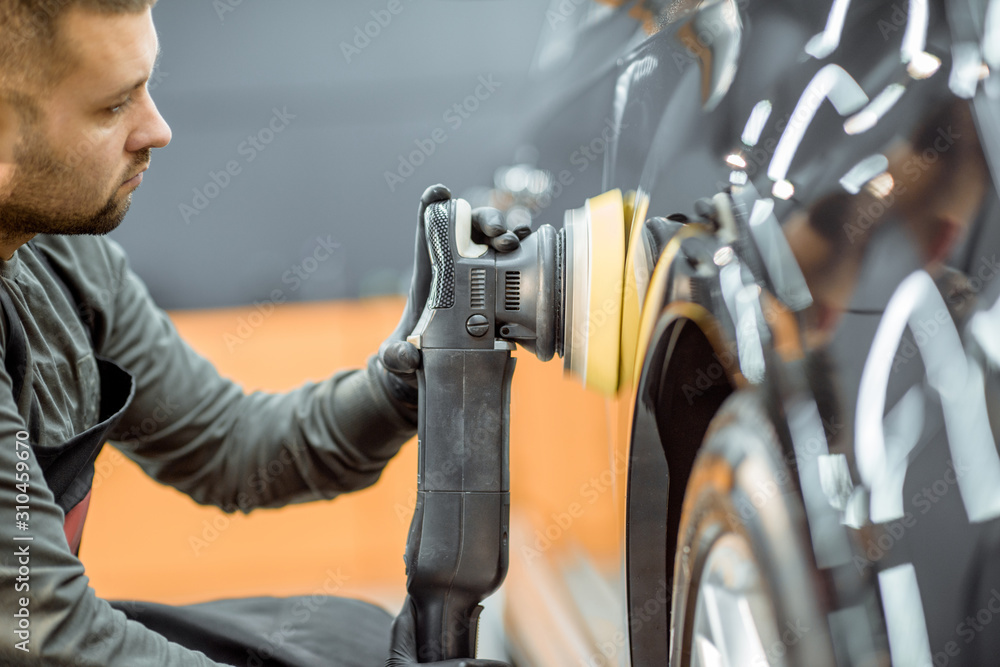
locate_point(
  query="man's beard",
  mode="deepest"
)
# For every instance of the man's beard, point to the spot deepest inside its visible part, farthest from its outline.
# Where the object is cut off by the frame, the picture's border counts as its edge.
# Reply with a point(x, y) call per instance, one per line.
point(37, 203)
point(18, 219)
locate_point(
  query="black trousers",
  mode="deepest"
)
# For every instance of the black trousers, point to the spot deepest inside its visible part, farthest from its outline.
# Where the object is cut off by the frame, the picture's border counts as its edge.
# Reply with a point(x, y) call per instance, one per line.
point(309, 631)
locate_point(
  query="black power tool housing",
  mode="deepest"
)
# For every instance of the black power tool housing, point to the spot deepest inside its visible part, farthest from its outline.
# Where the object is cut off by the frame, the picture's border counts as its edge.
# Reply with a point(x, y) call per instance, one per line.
point(480, 302)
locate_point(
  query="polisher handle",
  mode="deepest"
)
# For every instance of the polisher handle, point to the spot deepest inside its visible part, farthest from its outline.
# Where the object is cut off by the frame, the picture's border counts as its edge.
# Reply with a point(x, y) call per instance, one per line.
point(457, 552)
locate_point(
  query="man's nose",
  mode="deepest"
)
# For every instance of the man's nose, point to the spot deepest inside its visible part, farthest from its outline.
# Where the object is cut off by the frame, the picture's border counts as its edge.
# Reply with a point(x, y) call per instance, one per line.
point(151, 130)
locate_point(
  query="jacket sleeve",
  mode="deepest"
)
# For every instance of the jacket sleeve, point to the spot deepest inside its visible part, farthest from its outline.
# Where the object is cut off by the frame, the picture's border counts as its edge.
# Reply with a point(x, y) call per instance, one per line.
point(199, 432)
point(49, 614)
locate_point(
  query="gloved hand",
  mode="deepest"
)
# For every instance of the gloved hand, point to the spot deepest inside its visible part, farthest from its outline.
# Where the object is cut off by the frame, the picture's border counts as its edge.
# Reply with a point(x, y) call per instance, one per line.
point(400, 359)
point(403, 649)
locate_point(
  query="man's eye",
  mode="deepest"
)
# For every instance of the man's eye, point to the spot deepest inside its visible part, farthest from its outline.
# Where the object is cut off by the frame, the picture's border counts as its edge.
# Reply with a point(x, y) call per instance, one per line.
point(120, 106)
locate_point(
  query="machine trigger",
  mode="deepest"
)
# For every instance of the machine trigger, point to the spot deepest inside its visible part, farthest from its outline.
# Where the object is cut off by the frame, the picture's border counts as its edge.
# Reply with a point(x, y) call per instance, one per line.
point(463, 232)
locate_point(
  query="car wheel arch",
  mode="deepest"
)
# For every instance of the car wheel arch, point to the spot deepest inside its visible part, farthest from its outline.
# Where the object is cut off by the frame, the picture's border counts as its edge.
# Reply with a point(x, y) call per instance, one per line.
point(684, 379)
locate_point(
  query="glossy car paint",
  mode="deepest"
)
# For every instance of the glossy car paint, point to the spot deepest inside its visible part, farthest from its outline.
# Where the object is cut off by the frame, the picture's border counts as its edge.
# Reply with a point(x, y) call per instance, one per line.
point(853, 173)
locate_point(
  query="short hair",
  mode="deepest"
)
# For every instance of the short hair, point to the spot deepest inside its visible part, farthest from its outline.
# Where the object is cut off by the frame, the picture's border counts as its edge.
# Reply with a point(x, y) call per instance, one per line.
point(30, 52)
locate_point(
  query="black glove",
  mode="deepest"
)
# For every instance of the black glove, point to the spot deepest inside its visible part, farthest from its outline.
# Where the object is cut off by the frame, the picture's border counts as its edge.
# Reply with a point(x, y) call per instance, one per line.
point(400, 359)
point(403, 650)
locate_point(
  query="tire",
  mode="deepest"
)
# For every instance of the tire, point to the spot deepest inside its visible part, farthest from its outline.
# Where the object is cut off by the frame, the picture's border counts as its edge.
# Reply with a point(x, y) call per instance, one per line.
point(743, 551)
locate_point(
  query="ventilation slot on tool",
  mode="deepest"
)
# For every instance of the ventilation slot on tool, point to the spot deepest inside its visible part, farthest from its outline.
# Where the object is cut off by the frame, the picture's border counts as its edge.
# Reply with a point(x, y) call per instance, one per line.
point(477, 295)
point(512, 290)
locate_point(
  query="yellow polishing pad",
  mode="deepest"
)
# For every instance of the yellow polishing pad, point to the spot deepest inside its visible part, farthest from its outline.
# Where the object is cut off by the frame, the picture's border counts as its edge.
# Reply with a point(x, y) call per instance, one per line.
point(607, 263)
point(578, 298)
point(637, 272)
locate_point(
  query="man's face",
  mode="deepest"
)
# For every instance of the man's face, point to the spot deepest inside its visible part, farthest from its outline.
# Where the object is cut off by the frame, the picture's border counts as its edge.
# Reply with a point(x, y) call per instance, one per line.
point(77, 163)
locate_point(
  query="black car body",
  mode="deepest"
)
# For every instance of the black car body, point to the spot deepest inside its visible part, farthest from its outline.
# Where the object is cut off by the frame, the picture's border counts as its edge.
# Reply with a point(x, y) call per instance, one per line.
point(808, 393)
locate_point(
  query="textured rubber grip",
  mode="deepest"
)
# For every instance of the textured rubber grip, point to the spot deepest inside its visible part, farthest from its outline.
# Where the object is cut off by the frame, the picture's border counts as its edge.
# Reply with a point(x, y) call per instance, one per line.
point(437, 225)
point(457, 549)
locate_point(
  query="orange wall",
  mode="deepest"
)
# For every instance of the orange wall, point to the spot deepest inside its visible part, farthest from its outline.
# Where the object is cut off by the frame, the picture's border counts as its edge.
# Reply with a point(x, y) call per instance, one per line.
point(146, 541)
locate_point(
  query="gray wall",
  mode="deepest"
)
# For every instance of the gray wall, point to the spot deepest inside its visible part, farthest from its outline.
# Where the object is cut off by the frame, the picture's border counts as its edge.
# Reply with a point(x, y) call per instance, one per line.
point(220, 78)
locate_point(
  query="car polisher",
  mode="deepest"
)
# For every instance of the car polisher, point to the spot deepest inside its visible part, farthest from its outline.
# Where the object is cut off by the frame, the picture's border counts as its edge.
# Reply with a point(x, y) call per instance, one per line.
point(559, 293)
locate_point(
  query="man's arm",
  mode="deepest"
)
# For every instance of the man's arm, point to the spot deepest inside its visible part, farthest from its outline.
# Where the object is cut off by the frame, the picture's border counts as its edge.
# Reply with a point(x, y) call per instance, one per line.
point(49, 615)
point(192, 429)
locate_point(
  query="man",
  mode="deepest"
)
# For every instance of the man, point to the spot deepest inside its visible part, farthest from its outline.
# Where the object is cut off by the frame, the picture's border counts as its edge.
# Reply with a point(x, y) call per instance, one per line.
point(87, 357)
